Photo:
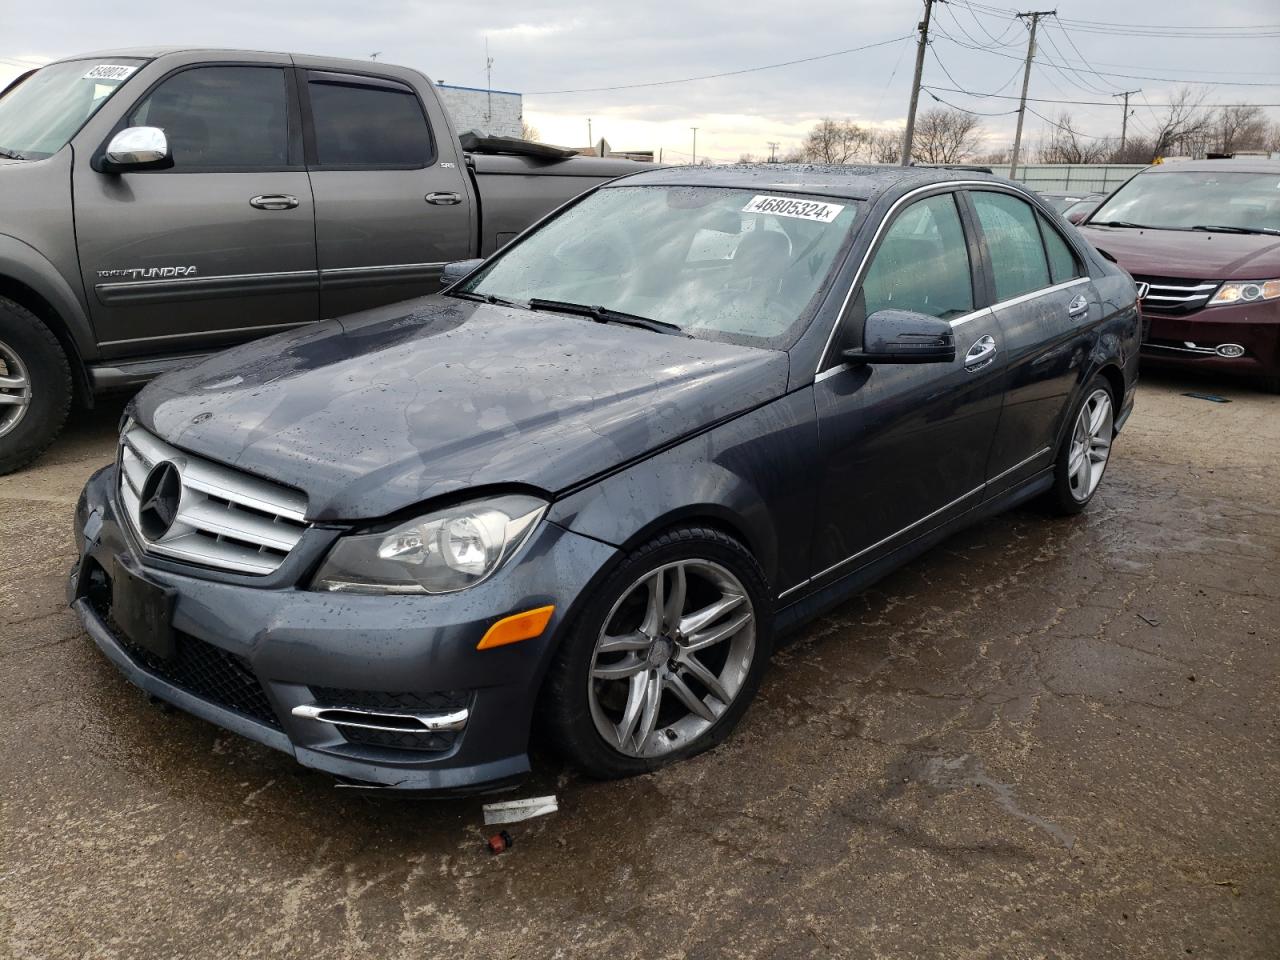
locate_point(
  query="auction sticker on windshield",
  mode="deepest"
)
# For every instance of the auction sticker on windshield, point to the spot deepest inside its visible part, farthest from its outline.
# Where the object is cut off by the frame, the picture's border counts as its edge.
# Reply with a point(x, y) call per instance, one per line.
point(799, 209)
point(109, 71)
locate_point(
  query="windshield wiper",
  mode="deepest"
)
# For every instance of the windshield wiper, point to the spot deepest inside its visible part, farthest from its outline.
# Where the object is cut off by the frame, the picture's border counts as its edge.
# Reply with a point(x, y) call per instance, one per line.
point(12, 154)
point(482, 298)
point(1220, 229)
point(605, 315)
point(1120, 223)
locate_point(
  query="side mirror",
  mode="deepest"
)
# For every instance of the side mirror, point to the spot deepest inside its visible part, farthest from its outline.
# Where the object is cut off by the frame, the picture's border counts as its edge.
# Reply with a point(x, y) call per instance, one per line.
point(904, 336)
point(453, 272)
point(137, 148)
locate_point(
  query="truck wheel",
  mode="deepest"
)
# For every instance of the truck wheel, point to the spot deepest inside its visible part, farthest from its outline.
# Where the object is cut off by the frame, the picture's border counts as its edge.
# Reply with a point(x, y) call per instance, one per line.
point(35, 386)
point(664, 659)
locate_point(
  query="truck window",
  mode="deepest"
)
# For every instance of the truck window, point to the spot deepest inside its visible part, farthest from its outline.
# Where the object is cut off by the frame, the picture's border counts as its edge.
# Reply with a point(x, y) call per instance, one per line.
point(366, 126)
point(221, 118)
point(42, 113)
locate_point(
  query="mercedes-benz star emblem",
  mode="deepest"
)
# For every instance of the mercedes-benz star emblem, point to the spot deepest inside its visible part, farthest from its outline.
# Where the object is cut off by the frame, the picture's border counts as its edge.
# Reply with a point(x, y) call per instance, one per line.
point(158, 504)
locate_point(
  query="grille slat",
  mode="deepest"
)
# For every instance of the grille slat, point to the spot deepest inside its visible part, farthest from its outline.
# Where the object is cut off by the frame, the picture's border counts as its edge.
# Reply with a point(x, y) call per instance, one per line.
point(1176, 295)
point(224, 518)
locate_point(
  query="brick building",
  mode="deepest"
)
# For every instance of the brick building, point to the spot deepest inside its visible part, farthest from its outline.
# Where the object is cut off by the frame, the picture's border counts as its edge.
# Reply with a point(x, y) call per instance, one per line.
point(496, 113)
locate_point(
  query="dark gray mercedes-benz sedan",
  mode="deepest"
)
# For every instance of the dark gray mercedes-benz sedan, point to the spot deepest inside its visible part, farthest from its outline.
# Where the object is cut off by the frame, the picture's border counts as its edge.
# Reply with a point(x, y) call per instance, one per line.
point(582, 490)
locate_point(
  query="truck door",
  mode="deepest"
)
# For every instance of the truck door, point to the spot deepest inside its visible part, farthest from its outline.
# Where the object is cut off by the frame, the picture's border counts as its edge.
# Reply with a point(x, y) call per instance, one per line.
point(393, 203)
point(220, 248)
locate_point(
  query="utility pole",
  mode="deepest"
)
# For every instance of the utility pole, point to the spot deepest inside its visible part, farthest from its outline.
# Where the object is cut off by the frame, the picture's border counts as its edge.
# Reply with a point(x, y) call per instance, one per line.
point(909, 134)
point(1124, 122)
point(590, 142)
point(375, 55)
point(1035, 16)
point(488, 79)
point(694, 162)
point(773, 152)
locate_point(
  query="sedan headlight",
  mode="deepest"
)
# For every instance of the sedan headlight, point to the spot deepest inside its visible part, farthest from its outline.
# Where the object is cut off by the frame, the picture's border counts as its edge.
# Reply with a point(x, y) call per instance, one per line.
point(1248, 291)
point(442, 552)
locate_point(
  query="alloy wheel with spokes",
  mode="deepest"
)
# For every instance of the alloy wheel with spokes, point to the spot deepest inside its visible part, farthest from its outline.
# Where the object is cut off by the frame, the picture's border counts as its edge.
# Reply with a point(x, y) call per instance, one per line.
point(15, 388)
point(674, 654)
point(1090, 445)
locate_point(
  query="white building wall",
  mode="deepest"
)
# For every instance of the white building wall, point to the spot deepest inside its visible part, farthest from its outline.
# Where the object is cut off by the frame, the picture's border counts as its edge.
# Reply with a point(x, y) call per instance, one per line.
point(496, 114)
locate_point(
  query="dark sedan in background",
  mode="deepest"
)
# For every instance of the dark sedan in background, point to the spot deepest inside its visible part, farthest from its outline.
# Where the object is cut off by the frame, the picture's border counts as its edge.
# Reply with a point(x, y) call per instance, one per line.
point(586, 486)
point(1202, 238)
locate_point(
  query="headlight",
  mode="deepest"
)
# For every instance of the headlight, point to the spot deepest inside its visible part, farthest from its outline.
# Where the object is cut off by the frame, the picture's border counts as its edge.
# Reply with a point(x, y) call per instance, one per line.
point(1248, 291)
point(445, 551)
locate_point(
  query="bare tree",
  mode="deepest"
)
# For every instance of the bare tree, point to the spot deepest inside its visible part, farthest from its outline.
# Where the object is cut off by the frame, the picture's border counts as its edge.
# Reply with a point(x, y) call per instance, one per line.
point(1242, 127)
point(528, 131)
point(945, 135)
point(1064, 144)
point(885, 146)
point(747, 158)
point(1183, 124)
point(834, 141)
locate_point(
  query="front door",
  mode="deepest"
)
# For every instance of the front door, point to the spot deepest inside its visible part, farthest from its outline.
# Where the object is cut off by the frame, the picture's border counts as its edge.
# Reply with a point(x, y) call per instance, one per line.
point(221, 247)
point(904, 447)
point(392, 199)
point(1048, 311)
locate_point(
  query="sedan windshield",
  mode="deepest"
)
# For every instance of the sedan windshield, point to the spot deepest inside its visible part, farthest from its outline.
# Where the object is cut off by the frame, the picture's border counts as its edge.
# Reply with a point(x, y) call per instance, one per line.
point(714, 263)
point(1196, 199)
point(42, 113)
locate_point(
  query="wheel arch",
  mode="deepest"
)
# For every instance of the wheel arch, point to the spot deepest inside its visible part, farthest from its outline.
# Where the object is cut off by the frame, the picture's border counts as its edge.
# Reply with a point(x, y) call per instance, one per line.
point(30, 280)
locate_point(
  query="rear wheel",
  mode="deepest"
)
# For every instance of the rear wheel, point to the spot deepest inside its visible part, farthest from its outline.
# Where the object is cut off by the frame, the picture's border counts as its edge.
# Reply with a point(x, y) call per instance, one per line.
point(665, 658)
point(1085, 451)
point(35, 386)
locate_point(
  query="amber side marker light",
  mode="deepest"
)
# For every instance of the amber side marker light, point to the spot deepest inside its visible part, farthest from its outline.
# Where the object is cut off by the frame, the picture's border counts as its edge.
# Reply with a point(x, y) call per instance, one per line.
point(517, 627)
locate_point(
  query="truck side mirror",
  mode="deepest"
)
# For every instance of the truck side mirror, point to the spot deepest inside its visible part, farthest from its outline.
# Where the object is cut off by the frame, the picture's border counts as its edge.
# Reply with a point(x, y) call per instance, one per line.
point(453, 272)
point(904, 336)
point(137, 148)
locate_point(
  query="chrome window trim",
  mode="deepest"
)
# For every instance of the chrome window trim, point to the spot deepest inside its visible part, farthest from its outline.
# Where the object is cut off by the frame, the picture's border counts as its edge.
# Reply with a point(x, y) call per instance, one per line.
point(947, 186)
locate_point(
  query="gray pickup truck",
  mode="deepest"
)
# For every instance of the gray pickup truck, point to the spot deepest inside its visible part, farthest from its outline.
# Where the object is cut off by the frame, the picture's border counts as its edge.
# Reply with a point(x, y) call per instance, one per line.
point(157, 205)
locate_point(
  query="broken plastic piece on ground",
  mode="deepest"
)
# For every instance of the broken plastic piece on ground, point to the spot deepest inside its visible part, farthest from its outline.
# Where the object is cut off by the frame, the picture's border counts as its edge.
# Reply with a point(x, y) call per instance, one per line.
point(513, 811)
point(1212, 397)
point(500, 841)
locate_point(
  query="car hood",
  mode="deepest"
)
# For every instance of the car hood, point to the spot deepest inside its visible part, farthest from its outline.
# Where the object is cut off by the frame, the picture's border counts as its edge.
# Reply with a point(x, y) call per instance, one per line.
point(382, 410)
point(1190, 254)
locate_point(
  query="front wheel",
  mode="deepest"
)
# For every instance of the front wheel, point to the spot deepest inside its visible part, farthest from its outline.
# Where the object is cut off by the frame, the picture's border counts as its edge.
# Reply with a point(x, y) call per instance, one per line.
point(664, 659)
point(1085, 451)
point(35, 386)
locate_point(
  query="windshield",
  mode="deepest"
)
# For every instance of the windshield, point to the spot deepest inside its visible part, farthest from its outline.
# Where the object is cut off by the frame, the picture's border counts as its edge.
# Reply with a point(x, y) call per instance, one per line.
point(43, 112)
point(1186, 199)
point(717, 263)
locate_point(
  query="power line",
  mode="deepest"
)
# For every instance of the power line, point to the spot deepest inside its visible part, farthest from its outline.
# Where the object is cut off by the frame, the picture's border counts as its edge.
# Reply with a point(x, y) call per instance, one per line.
point(996, 41)
point(1081, 103)
point(1060, 126)
point(1147, 29)
point(977, 113)
point(714, 76)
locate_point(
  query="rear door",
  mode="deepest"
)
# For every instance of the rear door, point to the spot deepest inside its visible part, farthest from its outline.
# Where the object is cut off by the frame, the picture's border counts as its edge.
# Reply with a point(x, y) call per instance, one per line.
point(221, 247)
point(904, 447)
point(1048, 311)
point(392, 198)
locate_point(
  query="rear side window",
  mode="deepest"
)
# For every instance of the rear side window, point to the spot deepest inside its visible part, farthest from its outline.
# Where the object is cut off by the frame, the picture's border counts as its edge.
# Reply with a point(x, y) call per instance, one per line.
point(1062, 261)
point(922, 264)
point(221, 117)
point(1017, 254)
point(368, 126)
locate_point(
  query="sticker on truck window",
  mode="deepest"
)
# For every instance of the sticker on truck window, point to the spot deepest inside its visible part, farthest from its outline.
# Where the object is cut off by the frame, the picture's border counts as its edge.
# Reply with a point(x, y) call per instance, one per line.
point(109, 71)
point(799, 209)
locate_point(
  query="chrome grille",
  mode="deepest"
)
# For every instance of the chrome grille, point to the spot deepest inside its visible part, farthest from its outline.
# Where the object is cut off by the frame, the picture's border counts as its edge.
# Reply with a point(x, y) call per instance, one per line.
point(224, 518)
point(1175, 295)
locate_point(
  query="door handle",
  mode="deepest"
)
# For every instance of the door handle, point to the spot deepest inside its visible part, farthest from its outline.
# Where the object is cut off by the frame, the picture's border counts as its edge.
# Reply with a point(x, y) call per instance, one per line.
point(443, 199)
point(981, 353)
point(1078, 306)
point(274, 201)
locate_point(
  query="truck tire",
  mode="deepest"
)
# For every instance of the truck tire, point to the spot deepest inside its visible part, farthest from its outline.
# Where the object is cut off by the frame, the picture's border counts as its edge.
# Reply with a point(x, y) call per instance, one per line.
point(35, 386)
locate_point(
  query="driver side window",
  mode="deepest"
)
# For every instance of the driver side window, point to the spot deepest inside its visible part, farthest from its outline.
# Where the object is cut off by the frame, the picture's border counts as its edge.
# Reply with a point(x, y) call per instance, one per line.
point(922, 263)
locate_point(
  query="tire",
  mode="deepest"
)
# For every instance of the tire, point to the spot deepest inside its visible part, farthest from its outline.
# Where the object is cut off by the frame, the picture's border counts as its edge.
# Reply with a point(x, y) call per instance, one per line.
point(582, 713)
point(1068, 496)
point(33, 363)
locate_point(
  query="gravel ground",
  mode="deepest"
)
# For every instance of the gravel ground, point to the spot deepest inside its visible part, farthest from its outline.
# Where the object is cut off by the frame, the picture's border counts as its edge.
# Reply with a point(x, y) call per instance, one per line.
point(1046, 738)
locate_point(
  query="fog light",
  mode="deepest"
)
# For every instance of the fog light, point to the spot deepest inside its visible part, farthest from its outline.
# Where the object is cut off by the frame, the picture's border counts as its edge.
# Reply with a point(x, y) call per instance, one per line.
point(1230, 350)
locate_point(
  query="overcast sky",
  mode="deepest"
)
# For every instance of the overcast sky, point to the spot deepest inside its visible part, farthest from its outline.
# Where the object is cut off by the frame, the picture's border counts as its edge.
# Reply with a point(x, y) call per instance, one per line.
point(539, 46)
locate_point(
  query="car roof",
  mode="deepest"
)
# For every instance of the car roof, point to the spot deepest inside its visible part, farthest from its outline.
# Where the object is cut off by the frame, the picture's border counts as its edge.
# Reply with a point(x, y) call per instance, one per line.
point(1234, 165)
point(847, 181)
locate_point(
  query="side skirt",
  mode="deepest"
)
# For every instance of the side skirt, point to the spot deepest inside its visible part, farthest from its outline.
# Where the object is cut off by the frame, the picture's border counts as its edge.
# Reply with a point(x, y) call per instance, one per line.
point(824, 599)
